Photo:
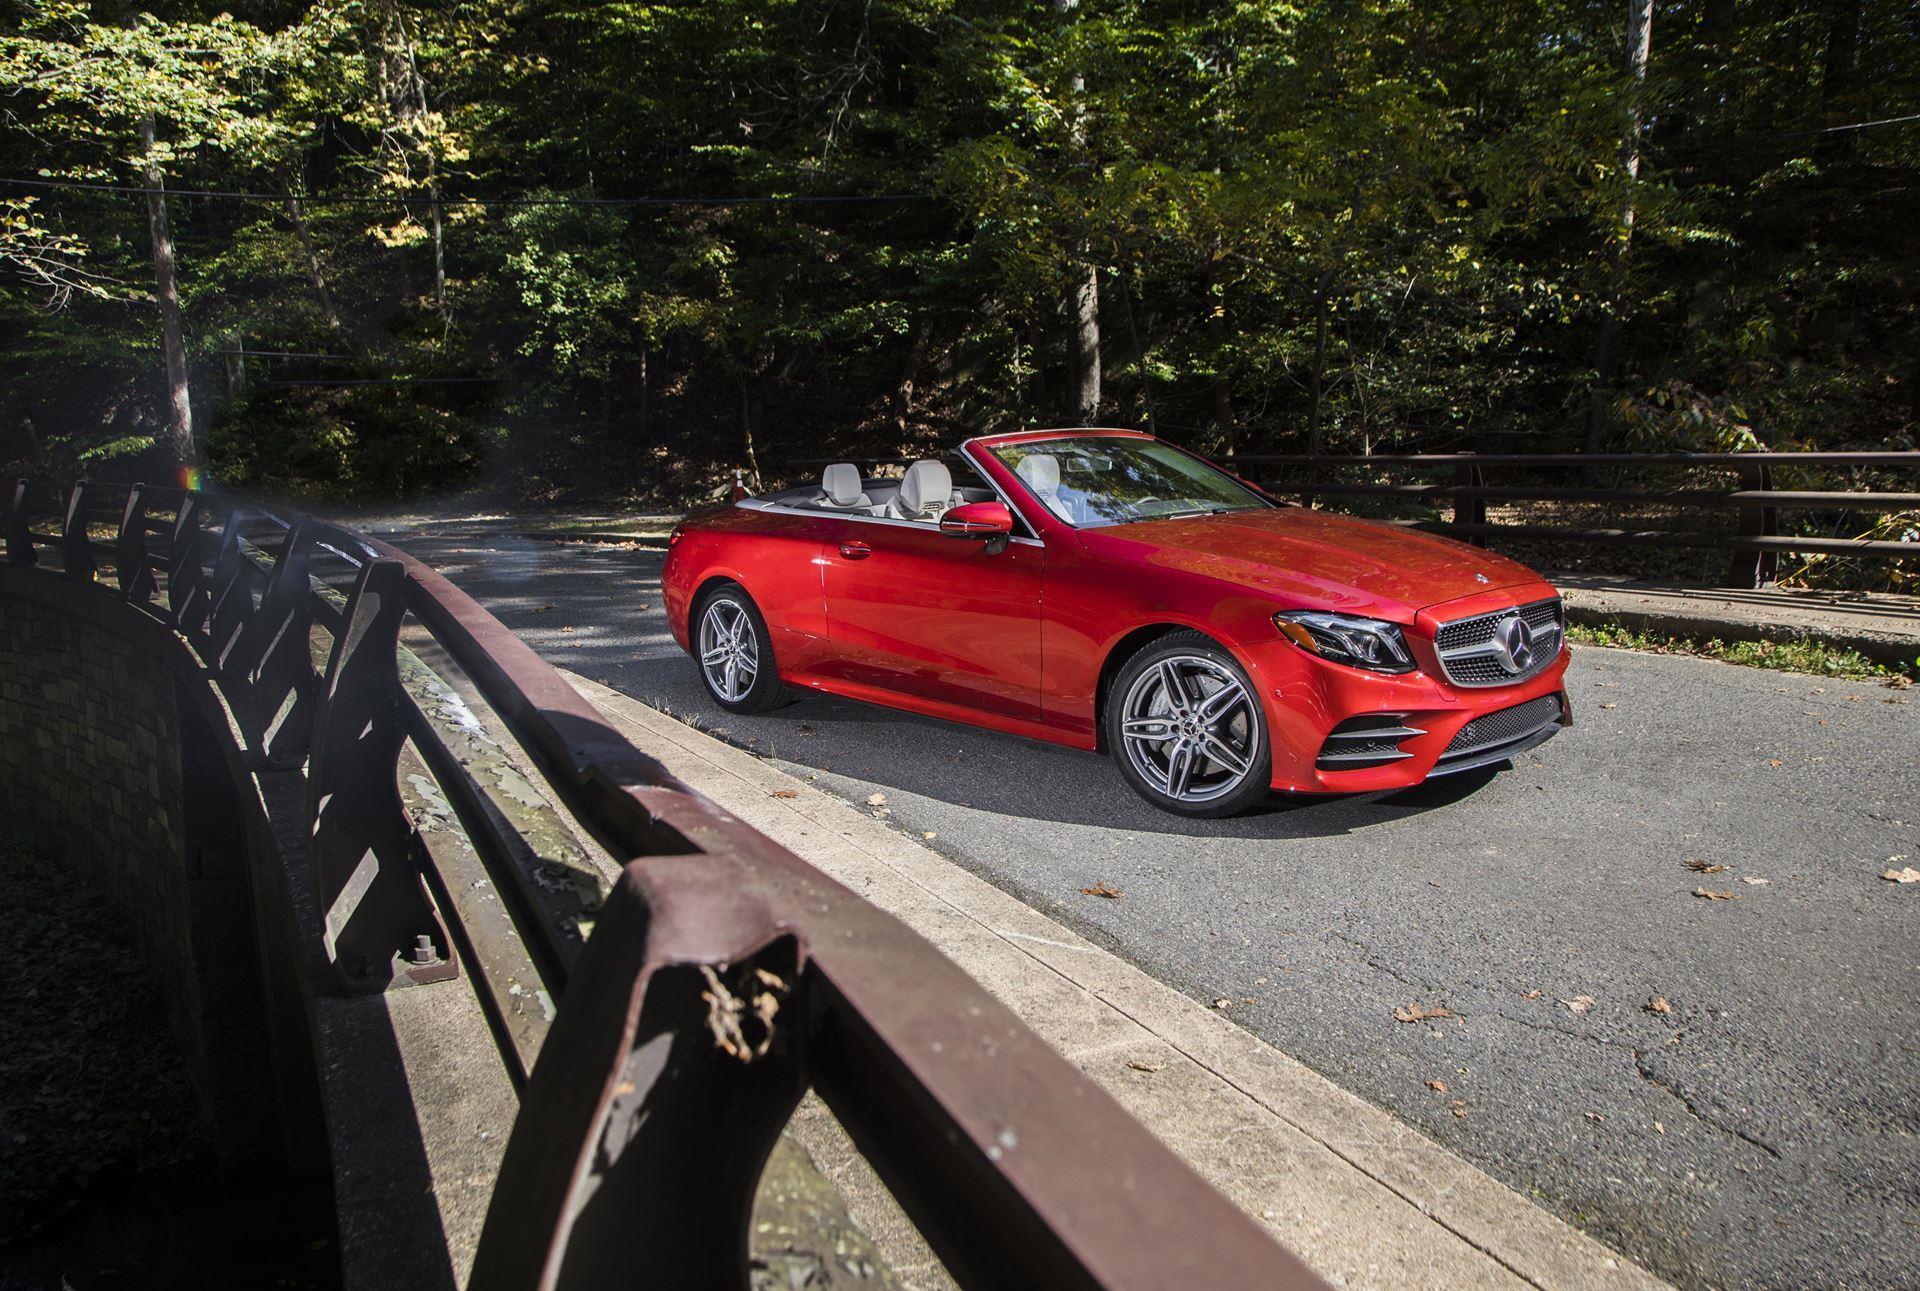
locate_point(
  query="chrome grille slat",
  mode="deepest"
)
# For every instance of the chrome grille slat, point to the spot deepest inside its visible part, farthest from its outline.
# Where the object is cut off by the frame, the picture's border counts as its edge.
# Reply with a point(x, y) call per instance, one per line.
point(1466, 648)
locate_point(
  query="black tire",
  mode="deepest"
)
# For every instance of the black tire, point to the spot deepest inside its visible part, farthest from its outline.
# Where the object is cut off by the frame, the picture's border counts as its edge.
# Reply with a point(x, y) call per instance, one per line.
point(764, 691)
point(1229, 762)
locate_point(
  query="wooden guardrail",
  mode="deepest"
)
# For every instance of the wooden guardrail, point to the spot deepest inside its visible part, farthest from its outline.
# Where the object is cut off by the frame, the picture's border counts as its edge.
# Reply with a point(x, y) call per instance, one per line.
point(724, 975)
point(1754, 547)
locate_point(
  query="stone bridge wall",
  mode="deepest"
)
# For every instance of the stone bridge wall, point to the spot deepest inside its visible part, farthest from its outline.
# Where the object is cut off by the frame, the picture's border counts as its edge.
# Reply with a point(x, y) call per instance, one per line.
point(106, 763)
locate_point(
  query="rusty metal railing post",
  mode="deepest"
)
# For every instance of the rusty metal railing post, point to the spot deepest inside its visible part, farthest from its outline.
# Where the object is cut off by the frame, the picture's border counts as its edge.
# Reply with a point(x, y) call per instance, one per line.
point(19, 538)
point(676, 1059)
point(275, 659)
point(381, 931)
point(186, 580)
point(231, 603)
point(76, 549)
point(133, 564)
point(1752, 567)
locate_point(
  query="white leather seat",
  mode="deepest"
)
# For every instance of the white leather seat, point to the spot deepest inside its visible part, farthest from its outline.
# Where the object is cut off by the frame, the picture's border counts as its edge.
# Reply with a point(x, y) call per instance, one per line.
point(925, 492)
point(1040, 472)
point(840, 488)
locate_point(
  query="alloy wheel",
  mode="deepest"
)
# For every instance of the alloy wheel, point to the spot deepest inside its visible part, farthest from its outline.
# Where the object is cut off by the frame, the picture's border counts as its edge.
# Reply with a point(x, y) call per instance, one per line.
point(729, 649)
point(1189, 728)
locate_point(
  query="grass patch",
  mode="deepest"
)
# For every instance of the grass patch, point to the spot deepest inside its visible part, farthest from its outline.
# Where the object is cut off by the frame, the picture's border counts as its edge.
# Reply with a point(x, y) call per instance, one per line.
point(1807, 654)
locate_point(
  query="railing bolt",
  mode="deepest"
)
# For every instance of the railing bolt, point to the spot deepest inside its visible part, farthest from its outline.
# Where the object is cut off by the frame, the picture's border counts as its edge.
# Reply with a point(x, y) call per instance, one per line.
point(423, 950)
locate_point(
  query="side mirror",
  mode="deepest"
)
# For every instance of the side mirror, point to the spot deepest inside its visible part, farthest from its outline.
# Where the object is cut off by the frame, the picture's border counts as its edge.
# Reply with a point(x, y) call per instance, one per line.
point(990, 521)
point(978, 520)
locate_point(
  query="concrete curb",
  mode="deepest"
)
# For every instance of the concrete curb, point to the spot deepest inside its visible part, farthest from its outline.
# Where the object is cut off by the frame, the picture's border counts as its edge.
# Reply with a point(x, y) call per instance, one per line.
point(1365, 1199)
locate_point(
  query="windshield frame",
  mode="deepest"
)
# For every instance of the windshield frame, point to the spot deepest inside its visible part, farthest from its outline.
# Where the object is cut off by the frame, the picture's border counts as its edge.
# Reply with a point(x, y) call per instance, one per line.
point(1256, 498)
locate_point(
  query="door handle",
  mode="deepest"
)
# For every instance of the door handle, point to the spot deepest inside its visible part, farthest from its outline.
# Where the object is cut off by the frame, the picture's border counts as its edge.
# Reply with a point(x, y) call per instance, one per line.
point(855, 550)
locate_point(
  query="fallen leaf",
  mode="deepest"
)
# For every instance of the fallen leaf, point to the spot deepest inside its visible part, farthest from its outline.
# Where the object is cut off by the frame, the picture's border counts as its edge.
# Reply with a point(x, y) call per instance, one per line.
point(804, 729)
point(1758, 883)
point(1907, 875)
point(1708, 894)
point(1658, 1004)
point(1578, 1004)
point(1222, 1003)
point(1459, 1107)
point(1705, 867)
point(786, 793)
point(1437, 1086)
point(566, 627)
point(1102, 889)
point(1775, 762)
point(929, 835)
point(876, 800)
point(1609, 705)
point(1533, 994)
point(1595, 1117)
point(1658, 1128)
point(1137, 1065)
point(1417, 1013)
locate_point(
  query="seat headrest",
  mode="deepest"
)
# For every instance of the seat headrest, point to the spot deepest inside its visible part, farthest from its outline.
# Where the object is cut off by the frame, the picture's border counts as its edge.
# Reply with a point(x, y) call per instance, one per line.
point(841, 483)
point(927, 484)
point(1040, 472)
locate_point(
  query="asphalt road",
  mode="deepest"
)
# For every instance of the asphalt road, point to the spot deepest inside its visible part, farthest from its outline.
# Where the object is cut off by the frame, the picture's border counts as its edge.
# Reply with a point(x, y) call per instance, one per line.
point(1758, 1131)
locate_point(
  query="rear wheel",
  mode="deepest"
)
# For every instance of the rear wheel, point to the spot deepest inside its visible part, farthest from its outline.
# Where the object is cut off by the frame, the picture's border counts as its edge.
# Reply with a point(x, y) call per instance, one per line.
point(1185, 726)
point(735, 652)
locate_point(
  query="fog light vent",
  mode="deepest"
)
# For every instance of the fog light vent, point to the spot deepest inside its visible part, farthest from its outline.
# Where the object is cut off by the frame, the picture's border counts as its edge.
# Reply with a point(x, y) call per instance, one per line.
point(1369, 741)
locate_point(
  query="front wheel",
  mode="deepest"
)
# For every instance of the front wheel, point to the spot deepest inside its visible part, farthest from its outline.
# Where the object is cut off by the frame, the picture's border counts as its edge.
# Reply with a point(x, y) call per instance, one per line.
point(1184, 724)
point(735, 652)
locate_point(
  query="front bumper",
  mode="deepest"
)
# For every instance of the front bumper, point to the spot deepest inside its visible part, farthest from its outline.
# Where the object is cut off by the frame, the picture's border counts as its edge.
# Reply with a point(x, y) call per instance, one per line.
point(1307, 698)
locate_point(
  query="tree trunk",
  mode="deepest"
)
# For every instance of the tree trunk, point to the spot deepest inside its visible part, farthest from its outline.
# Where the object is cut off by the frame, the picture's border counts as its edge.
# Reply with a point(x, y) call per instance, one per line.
point(1836, 77)
point(1220, 395)
point(1606, 359)
point(1083, 288)
point(1139, 350)
point(753, 406)
point(172, 333)
point(322, 294)
point(1319, 360)
point(909, 367)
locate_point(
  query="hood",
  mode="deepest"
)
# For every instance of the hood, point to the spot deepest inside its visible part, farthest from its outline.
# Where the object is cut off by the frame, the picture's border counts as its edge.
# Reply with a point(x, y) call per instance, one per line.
point(1317, 559)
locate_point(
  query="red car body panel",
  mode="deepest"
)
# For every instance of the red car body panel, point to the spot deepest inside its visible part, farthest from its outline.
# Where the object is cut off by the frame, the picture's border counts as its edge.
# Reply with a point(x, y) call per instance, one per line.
point(1023, 639)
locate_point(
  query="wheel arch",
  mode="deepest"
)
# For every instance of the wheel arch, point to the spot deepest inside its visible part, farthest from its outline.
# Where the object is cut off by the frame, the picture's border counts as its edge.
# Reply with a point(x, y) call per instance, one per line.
point(713, 579)
point(1131, 643)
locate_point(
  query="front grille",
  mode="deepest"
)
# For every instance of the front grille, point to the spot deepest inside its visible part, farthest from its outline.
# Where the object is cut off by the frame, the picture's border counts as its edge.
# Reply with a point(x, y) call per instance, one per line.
point(1362, 742)
point(1471, 656)
point(1504, 726)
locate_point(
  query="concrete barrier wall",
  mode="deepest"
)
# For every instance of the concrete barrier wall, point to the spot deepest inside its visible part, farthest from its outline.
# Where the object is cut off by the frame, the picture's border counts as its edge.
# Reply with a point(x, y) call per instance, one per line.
point(107, 764)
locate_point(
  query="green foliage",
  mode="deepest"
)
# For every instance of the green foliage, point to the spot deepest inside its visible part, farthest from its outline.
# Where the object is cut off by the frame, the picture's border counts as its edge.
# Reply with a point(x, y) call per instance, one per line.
point(1366, 225)
point(1800, 654)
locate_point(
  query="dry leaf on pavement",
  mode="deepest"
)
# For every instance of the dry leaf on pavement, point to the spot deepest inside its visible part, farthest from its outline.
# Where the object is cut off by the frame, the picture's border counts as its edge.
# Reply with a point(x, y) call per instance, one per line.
point(1437, 1086)
point(1907, 875)
point(786, 793)
point(1103, 889)
point(1222, 1003)
point(1708, 894)
point(1417, 1013)
point(1578, 1004)
point(1704, 867)
point(1658, 1004)
point(1137, 1065)
point(1758, 883)
point(1533, 994)
point(876, 800)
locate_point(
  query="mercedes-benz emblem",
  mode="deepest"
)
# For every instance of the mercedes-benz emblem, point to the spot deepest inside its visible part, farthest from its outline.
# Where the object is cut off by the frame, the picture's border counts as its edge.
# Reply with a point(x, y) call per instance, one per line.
point(1513, 644)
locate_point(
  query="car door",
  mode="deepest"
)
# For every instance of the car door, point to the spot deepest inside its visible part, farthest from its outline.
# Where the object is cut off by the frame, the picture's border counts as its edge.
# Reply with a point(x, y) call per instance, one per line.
point(922, 613)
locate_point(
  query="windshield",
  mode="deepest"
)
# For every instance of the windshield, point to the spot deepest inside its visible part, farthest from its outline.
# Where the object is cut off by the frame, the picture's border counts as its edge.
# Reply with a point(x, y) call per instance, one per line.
point(1106, 480)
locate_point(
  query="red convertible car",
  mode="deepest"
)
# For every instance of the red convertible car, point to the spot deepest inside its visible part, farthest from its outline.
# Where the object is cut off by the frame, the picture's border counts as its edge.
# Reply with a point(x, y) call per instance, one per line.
point(1110, 591)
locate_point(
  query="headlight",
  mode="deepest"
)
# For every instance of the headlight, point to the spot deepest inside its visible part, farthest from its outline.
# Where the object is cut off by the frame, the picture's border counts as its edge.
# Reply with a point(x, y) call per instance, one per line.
point(1347, 638)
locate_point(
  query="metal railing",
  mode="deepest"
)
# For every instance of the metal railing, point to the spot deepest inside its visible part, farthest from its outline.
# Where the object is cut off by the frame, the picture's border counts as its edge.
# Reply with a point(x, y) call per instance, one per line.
point(1754, 547)
point(724, 975)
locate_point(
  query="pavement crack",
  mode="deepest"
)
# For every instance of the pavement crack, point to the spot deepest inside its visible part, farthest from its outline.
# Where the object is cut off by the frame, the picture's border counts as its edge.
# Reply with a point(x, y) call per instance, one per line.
point(1711, 1122)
